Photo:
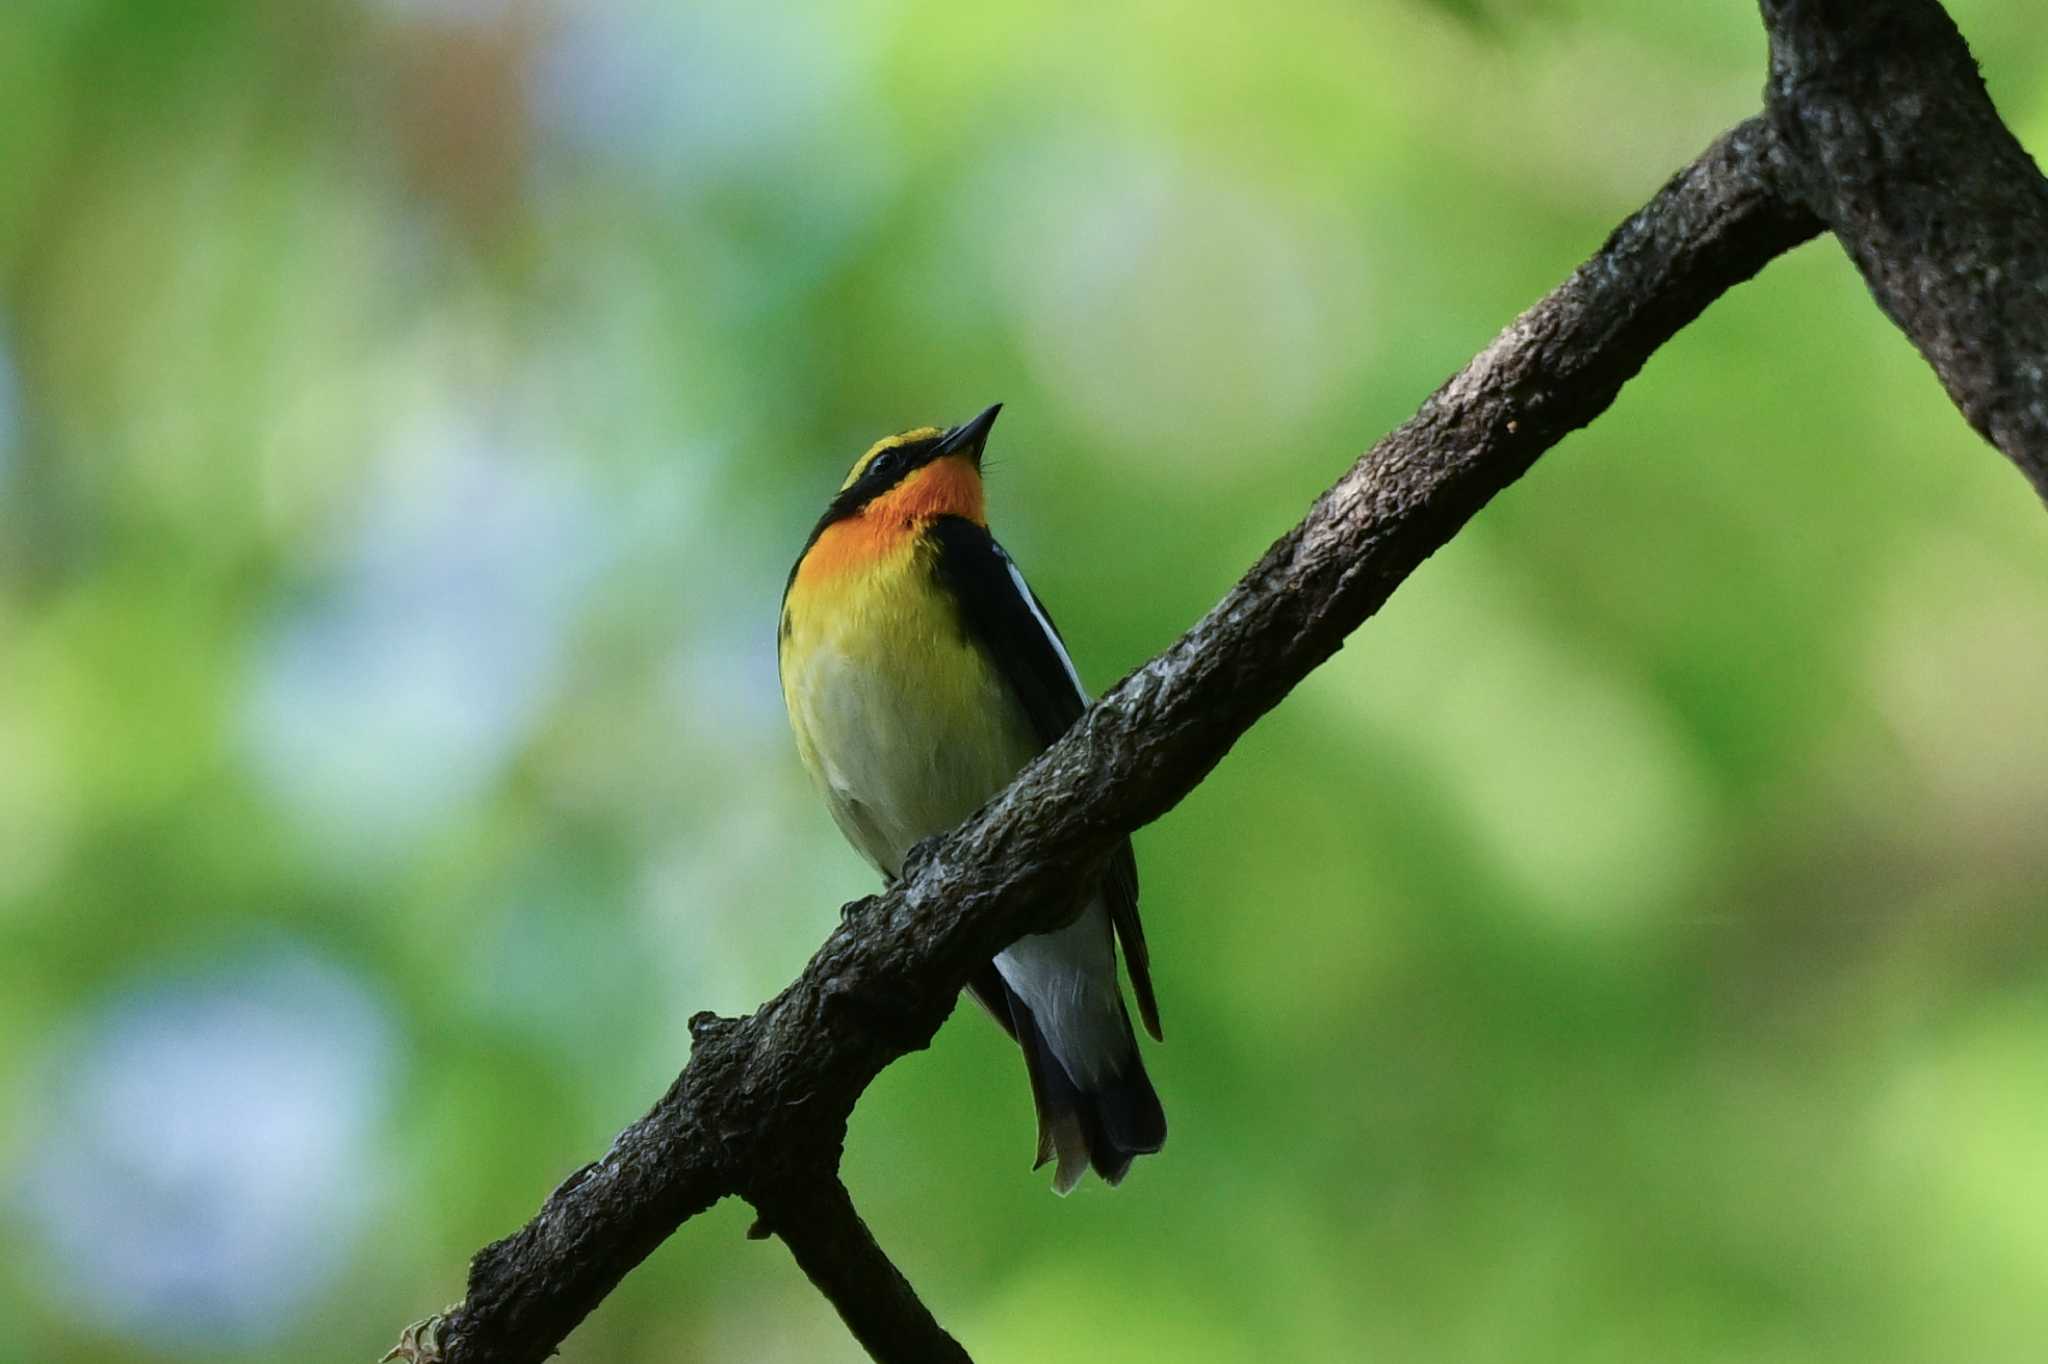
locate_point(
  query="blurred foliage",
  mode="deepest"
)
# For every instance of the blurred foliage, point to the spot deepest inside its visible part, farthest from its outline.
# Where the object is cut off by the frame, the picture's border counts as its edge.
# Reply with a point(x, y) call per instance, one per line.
point(1631, 947)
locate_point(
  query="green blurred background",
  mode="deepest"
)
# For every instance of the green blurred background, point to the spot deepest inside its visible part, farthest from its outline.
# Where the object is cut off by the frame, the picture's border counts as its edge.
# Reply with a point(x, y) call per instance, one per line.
point(1631, 947)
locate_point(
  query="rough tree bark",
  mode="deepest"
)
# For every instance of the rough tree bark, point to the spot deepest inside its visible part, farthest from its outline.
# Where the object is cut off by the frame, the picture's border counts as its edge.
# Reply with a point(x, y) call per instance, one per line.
point(1876, 128)
point(1886, 134)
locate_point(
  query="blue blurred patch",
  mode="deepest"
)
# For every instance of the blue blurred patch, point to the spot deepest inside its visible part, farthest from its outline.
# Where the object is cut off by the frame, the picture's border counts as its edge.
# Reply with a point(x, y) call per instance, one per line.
point(196, 1169)
point(397, 692)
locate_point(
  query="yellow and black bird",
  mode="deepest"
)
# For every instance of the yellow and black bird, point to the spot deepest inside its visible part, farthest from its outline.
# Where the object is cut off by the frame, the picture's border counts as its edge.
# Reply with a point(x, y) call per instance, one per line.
point(921, 674)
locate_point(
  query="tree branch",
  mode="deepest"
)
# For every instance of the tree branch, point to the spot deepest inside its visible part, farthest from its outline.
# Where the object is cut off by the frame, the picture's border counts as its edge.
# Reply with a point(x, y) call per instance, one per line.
point(761, 1108)
point(834, 1247)
point(1877, 127)
point(1891, 140)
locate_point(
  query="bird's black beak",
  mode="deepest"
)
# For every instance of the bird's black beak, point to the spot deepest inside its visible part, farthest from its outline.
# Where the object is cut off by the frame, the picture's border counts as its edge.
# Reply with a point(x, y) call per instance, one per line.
point(968, 438)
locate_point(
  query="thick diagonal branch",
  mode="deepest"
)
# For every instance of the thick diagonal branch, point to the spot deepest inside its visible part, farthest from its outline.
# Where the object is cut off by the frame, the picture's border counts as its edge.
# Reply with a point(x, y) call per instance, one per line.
point(762, 1106)
point(1889, 137)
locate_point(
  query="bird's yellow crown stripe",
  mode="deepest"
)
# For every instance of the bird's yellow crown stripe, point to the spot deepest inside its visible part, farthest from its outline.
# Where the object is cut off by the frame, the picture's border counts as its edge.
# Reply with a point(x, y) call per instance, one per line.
point(860, 466)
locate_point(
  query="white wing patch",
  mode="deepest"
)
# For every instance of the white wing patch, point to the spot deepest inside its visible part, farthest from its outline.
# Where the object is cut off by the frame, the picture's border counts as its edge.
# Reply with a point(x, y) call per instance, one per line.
point(1052, 636)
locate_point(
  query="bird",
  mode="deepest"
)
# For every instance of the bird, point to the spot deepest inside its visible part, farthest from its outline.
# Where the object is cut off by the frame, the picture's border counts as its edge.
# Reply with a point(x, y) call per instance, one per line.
point(921, 673)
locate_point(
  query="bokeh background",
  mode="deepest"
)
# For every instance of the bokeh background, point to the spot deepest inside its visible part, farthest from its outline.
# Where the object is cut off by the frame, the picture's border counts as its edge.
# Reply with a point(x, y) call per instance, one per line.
point(1631, 947)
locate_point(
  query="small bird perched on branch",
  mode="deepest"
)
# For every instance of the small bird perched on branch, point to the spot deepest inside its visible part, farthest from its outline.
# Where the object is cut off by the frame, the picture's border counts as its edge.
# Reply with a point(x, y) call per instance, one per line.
point(921, 674)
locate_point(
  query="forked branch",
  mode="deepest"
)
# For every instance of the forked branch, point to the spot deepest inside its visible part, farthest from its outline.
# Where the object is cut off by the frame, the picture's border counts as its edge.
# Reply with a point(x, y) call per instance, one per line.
point(1877, 128)
point(761, 1109)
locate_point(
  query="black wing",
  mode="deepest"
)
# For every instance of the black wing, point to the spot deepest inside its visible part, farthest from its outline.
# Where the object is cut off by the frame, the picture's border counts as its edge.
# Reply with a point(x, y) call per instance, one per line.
point(999, 612)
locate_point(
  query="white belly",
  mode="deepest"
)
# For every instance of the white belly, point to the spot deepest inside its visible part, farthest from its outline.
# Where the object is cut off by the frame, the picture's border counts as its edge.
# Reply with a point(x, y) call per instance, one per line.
point(896, 758)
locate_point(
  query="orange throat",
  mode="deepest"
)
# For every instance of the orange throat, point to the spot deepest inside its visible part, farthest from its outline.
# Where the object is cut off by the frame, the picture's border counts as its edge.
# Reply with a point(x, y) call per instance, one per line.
point(946, 487)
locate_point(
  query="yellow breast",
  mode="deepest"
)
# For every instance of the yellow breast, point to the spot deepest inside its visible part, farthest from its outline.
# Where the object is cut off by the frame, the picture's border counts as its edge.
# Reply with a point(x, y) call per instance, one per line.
point(903, 723)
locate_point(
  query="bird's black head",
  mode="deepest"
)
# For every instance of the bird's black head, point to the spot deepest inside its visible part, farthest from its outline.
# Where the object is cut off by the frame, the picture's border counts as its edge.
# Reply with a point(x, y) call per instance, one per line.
point(889, 462)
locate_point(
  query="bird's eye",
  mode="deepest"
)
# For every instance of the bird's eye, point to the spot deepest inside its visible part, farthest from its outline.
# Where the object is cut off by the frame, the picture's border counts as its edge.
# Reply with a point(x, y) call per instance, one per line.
point(885, 465)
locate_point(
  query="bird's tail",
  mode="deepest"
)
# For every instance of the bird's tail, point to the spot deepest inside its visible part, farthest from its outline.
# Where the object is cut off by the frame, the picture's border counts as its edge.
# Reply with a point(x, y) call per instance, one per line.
point(1105, 1124)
